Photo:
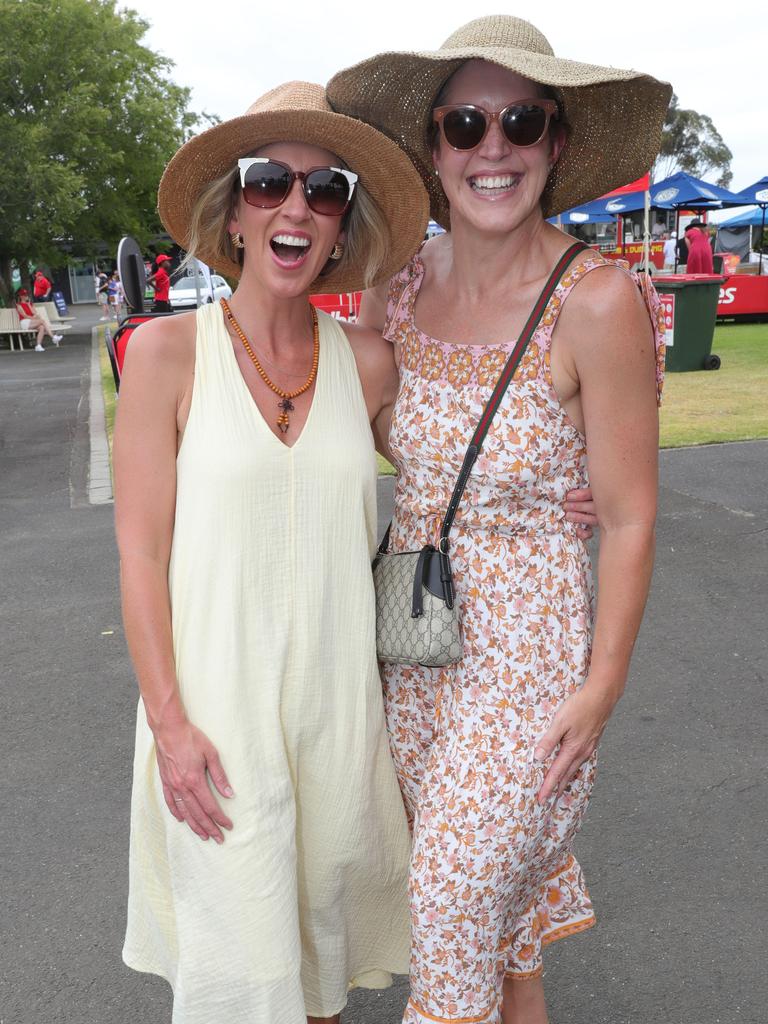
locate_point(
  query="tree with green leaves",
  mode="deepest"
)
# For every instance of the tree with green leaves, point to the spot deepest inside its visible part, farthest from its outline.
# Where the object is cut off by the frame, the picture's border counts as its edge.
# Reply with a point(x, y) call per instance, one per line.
point(88, 120)
point(690, 142)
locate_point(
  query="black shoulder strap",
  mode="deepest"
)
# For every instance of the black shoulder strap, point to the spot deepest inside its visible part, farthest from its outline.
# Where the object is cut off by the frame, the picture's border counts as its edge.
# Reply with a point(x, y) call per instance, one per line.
point(498, 393)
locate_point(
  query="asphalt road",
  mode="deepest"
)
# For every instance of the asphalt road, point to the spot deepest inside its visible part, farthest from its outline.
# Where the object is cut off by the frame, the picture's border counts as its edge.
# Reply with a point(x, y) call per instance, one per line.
point(674, 847)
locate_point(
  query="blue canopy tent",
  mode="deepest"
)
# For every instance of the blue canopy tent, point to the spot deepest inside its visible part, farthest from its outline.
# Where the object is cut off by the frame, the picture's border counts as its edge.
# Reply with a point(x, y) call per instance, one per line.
point(749, 219)
point(608, 207)
point(679, 191)
point(587, 213)
point(581, 216)
point(757, 193)
point(683, 191)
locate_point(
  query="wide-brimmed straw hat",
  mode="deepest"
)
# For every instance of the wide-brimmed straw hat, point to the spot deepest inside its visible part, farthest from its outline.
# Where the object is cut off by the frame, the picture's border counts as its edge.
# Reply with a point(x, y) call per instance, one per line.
point(614, 117)
point(299, 112)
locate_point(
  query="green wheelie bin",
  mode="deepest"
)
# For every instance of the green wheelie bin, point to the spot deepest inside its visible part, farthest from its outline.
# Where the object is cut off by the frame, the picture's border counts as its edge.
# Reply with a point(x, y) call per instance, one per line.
point(690, 311)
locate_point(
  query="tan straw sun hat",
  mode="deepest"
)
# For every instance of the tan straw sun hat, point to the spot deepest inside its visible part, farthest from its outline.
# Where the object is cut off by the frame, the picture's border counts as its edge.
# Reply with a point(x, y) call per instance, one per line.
point(614, 117)
point(299, 112)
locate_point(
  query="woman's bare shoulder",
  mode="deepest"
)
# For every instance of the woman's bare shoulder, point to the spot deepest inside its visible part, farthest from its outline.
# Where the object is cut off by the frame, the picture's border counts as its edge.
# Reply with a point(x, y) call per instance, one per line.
point(605, 320)
point(605, 292)
point(374, 358)
point(173, 332)
point(163, 342)
point(369, 347)
point(435, 250)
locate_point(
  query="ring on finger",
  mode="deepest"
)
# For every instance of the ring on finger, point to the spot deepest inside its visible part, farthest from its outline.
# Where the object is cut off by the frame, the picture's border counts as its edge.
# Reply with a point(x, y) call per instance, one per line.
point(178, 799)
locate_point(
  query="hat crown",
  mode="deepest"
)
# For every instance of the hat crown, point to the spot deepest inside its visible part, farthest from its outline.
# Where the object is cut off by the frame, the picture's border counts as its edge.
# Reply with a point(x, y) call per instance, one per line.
point(499, 31)
point(292, 96)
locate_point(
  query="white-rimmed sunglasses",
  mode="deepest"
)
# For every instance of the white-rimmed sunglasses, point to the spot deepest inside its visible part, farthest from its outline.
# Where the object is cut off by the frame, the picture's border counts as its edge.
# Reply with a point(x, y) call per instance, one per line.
point(267, 183)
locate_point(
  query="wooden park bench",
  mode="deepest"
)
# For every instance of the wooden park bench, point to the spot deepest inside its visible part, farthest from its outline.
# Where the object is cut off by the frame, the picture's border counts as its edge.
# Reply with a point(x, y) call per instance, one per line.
point(10, 328)
point(43, 310)
point(54, 315)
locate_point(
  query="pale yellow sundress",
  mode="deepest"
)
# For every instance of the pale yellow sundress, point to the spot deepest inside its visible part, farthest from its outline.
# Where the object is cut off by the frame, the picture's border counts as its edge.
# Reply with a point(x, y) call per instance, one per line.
point(273, 630)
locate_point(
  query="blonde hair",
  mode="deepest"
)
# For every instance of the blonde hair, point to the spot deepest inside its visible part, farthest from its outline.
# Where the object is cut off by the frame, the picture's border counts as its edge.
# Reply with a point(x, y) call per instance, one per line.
point(366, 247)
point(211, 213)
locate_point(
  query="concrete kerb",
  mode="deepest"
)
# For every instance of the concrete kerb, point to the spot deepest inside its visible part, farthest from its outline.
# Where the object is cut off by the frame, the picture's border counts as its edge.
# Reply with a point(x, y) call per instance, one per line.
point(99, 474)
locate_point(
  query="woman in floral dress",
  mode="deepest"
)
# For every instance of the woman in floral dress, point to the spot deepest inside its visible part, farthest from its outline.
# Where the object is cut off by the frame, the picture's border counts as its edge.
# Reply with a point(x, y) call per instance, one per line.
point(496, 754)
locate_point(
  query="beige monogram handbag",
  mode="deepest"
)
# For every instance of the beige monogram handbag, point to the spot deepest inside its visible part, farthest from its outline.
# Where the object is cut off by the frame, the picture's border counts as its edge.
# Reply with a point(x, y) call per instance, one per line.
point(417, 617)
point(417, 620)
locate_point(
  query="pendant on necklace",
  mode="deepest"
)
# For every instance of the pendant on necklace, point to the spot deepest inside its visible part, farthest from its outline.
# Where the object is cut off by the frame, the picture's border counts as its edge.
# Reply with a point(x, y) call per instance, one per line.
point(282, 420)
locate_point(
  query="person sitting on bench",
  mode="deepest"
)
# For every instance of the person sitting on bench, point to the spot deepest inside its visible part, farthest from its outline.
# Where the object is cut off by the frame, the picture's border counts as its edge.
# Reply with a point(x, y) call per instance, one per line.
point(30, 321)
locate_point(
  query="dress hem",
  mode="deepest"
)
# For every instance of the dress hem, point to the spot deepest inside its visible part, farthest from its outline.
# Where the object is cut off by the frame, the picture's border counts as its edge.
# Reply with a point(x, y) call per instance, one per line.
point(136, 964)
point(575, 928)
point(142, 966)
point(485, 1017)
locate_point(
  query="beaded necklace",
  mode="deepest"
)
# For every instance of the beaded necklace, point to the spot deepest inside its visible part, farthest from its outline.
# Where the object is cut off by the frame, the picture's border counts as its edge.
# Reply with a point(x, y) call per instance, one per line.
point(285, 404)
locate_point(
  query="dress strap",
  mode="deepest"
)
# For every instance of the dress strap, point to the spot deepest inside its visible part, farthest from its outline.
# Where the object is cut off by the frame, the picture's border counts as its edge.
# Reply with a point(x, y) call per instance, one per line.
point(403, 288)
point(647, 291)
point(210, 337)
point(567, 283)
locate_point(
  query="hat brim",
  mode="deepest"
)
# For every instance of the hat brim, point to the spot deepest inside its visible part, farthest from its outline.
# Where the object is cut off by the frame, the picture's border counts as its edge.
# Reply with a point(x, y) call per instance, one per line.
point(614, 117)
point(384, 170)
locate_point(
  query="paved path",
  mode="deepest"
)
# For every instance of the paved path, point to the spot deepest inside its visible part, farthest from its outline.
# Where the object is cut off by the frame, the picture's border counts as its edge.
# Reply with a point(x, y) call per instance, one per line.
point(673, 847)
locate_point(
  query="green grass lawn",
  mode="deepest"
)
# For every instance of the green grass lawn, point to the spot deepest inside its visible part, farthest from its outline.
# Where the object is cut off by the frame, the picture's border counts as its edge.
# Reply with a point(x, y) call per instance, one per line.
point(107, 387)
point(729, 404)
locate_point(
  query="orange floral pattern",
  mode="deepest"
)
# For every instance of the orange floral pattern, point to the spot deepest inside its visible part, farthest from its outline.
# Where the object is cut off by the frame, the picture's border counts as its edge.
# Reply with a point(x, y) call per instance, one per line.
point(493, 878)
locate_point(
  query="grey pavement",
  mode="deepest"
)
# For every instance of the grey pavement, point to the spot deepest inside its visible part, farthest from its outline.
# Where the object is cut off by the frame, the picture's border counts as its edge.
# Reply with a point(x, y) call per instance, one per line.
point(674, 844)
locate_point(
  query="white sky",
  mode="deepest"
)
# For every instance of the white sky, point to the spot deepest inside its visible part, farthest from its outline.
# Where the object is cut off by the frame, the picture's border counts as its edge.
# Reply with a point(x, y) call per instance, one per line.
point(229, 52)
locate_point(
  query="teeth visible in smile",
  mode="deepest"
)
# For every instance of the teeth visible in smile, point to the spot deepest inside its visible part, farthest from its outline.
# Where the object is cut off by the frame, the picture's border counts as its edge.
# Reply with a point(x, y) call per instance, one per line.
point(496, 182)
point(291, 240)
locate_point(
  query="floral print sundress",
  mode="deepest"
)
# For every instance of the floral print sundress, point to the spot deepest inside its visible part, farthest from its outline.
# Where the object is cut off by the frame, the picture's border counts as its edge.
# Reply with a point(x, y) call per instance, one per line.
point(493, 877)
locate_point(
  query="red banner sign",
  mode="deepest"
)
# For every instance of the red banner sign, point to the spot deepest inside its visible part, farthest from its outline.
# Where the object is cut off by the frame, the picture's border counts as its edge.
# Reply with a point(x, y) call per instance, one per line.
point(345, 306)
point(632, 252)
point(743, 295)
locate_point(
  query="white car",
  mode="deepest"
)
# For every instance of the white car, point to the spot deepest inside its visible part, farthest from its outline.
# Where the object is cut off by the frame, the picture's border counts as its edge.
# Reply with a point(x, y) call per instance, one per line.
point(183, 293)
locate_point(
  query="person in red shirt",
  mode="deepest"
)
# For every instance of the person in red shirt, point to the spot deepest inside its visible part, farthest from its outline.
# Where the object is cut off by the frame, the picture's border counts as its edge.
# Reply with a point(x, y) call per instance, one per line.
point(699, 250)
point(161, 282)
point(41, 287)
point(30, 321)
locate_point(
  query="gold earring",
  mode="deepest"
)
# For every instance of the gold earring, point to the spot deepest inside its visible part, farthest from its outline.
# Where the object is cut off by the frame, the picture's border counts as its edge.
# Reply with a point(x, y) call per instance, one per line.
point(237, 240)
point(337, 251)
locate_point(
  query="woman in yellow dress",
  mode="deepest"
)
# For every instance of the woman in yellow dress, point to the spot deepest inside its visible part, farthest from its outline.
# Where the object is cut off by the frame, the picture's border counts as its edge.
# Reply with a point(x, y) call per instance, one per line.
point(269, 844)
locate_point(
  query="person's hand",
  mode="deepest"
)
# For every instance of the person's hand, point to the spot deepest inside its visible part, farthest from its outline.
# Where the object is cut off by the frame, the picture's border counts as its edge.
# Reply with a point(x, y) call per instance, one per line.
point(576, 729)
point(184, 756)
point(581, 509)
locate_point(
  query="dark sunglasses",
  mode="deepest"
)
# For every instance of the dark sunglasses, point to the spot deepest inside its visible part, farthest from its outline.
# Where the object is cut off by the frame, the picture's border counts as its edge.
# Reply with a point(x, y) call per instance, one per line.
point(267, 184)
point(524, 122)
